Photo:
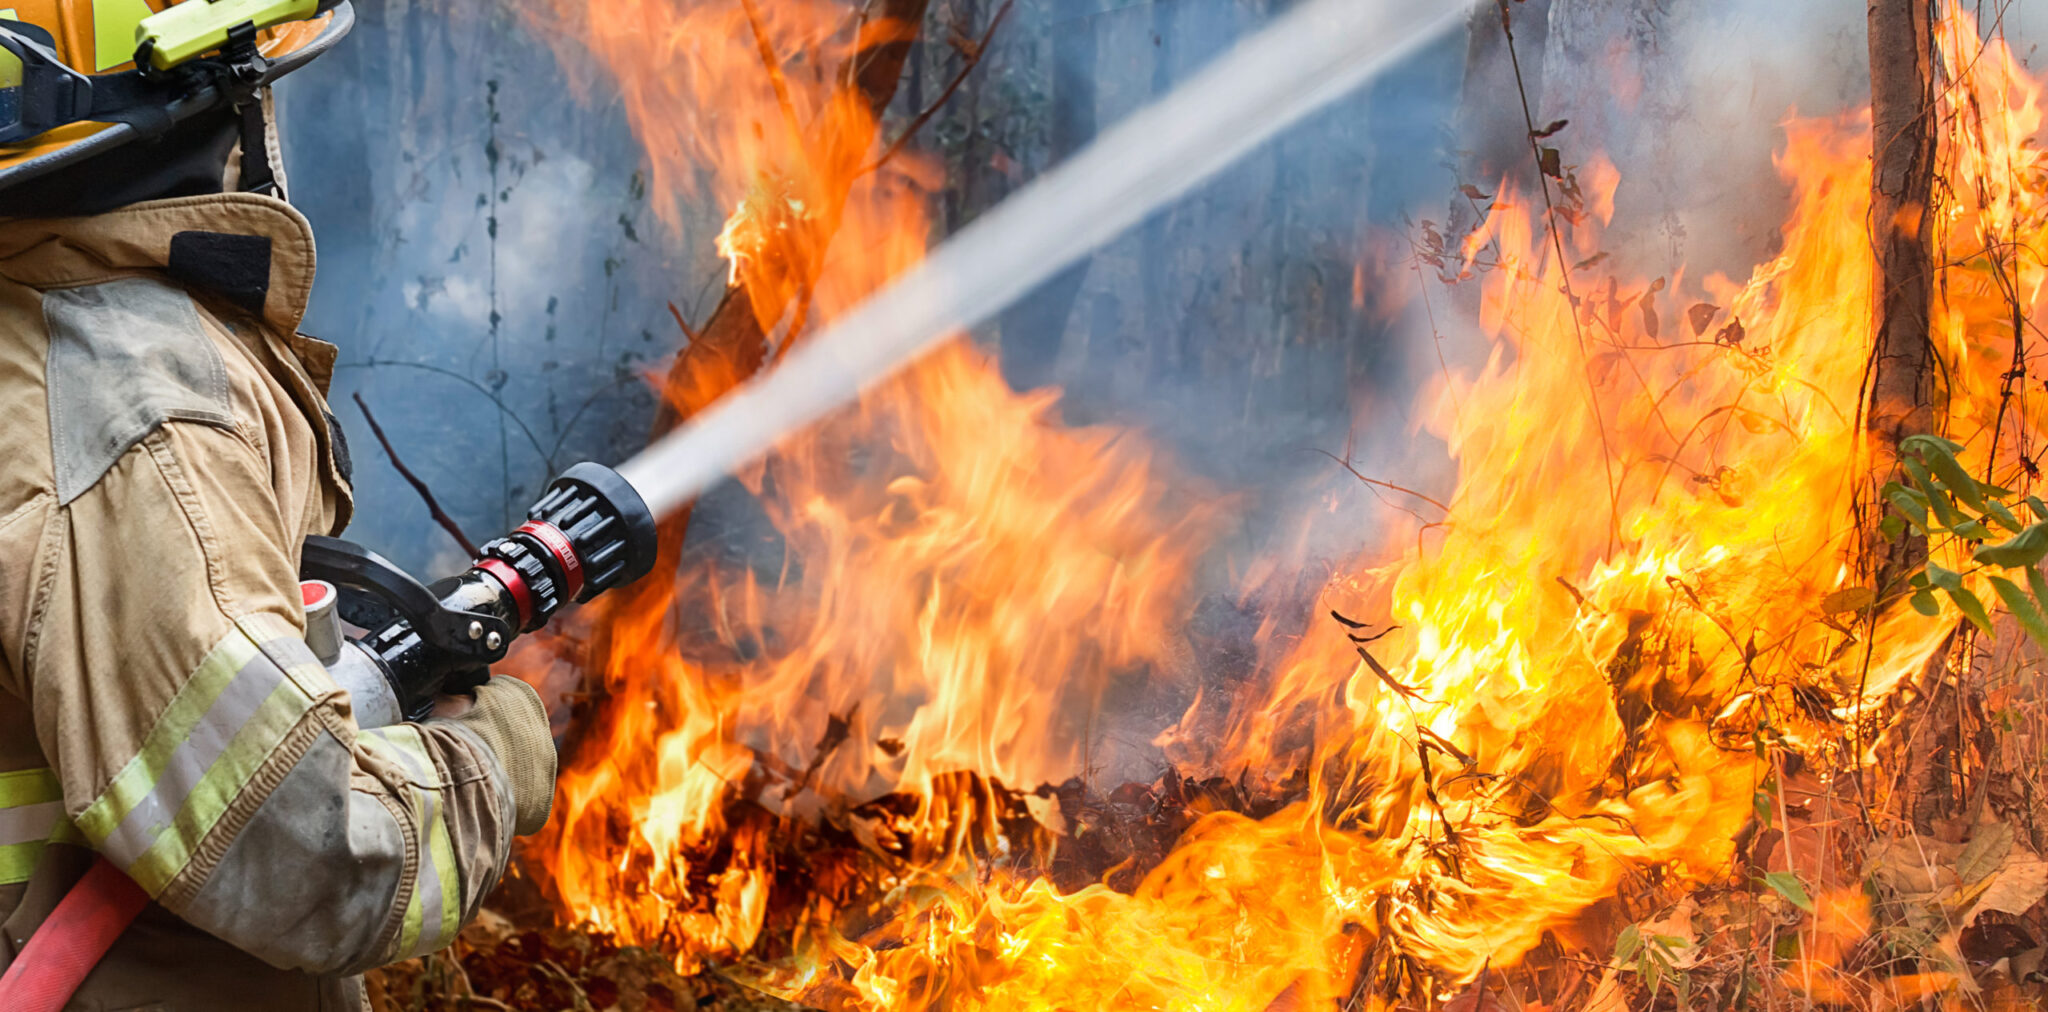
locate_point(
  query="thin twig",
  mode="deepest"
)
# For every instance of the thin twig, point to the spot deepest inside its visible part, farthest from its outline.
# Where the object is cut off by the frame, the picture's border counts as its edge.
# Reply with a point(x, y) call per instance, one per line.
point(1346, 465)
point(1557, 242)
point(775, 79)
point(427, 494)
point(688, 332)
point(973, 61)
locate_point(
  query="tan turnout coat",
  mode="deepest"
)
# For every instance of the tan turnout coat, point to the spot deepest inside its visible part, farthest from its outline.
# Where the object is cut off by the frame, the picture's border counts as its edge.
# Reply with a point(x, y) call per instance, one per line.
point(164, 450)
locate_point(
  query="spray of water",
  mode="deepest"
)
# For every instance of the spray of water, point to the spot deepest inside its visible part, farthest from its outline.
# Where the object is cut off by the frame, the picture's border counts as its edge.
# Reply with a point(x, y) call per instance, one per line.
point(1312, 56)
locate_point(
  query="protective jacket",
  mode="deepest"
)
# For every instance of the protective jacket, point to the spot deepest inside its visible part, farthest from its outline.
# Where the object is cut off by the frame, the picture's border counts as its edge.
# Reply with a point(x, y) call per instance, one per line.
point(164, 450)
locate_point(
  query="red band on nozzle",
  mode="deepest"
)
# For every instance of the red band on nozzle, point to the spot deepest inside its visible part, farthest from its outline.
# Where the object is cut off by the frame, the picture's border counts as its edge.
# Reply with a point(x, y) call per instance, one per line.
point(515, 585)
point(564, 552)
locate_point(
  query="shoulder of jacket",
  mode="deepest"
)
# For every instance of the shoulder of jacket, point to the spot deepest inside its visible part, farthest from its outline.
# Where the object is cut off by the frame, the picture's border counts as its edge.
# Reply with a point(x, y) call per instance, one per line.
point(125, 356)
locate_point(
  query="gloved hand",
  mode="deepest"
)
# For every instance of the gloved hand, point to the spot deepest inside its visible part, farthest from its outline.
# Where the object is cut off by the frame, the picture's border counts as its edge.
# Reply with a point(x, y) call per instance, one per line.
point(509, 717)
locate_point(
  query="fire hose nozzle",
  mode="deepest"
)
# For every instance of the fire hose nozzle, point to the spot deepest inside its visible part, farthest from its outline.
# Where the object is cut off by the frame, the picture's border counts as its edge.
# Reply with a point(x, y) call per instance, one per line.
point(589, 532)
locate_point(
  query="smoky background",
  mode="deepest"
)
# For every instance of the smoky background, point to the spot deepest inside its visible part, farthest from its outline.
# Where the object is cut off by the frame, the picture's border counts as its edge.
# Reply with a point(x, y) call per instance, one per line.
point(500, 287)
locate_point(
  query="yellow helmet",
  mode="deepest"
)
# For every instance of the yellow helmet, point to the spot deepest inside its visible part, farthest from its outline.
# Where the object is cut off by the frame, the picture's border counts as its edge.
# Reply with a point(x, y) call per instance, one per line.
point(71, 88)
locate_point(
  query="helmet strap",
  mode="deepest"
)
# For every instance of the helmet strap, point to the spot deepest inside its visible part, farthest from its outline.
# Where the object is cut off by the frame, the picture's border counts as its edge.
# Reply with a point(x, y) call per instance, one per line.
point(258, 174)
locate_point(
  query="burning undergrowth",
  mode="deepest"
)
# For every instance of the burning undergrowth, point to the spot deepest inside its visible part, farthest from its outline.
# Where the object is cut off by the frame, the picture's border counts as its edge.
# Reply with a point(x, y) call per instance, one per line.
point(1619, 721)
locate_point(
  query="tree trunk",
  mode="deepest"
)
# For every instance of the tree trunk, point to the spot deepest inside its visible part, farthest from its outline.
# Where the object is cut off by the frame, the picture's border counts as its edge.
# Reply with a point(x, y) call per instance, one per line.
point(1167, 338)
point(1904, 384)
point(1493, 139)
point(1034, 328)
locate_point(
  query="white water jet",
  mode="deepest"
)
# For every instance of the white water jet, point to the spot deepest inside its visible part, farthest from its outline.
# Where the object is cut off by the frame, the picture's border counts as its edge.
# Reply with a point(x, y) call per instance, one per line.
point(1315, 54)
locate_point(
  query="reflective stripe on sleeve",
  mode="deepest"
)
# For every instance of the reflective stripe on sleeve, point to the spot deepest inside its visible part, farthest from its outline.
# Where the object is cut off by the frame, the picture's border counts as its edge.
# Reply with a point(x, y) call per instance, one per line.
point(434, 911)
point(227, 719)
point(31, 814)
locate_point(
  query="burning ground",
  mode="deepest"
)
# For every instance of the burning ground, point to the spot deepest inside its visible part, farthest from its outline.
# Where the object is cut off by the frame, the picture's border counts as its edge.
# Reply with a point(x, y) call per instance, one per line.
point(1597, 711)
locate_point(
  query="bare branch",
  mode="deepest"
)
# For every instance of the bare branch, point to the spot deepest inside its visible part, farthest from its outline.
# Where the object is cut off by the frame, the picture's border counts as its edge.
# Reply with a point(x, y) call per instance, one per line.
point(426, 494)
point(973, 61)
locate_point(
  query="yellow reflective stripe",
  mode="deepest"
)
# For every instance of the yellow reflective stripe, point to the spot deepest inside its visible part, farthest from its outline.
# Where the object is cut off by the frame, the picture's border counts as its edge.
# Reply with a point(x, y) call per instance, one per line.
point(433, 912)
point(31, 817)
point(29, 787)
point(18, 862)
point(132, 785)
point(416, 905)
point(113, 31)
point(223, 724)
point(253, 744)
point(442, 850)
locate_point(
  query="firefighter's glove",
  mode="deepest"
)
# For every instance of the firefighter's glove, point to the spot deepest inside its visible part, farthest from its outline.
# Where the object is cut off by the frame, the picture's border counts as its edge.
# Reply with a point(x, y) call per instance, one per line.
point(509, 717)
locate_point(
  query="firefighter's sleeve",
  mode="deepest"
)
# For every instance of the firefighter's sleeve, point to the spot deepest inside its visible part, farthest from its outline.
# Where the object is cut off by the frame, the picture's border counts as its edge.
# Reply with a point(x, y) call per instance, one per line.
point(204, 750)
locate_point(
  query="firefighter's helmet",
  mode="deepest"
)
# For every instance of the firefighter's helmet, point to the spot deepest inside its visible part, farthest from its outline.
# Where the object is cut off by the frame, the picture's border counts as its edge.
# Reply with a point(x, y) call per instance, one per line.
point(71, 86)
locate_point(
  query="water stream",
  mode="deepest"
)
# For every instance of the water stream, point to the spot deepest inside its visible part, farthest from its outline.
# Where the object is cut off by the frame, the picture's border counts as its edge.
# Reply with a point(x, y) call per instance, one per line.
point(1313, 55)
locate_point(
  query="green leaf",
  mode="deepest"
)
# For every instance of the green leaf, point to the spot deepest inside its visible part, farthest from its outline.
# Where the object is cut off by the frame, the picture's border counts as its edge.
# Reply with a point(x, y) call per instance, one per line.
point(1923, 602)
point(1891, 526)
point(1995, 509)
point(1944, 577)
point(2023, 607)
point(1972, 530)
point(2038, 584)
point(1912, 503)
point(1944, 510)
point(1762, 803)
point(1958, 480)
point(1972, 608)
point(1924, 443)
point(2026, 548)
point(1625, 946)
point(2040, 508)
point(1786, 884)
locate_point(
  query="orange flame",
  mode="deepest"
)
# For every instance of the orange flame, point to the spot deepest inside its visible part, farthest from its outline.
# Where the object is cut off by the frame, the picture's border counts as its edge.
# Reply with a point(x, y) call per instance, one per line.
point(1641, 575)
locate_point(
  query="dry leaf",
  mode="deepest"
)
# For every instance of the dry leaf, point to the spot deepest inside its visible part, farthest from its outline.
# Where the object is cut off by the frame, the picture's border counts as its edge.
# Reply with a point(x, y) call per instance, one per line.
point(1918, 869)
point(1847, 599)
point(1985, 854)
point(1701, 316)
point(2017, 887)
point(1608, 995)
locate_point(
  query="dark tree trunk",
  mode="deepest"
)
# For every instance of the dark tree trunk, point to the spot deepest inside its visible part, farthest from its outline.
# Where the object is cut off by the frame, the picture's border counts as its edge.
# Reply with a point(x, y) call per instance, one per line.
point(1493, 138)
point(1168, 339)
point(1904, 383)
point(1034, 329)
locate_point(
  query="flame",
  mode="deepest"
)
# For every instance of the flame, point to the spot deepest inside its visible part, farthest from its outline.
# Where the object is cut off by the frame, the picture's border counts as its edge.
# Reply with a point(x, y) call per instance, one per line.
point(823, 774)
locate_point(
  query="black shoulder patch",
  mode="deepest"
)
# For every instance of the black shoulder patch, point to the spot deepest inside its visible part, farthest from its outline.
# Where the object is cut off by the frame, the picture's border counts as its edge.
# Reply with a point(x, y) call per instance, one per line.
point(235, 267)
point(338, 440)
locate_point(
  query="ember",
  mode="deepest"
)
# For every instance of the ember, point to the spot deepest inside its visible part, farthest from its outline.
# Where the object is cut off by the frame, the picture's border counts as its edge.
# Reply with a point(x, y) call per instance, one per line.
point(1570, 714)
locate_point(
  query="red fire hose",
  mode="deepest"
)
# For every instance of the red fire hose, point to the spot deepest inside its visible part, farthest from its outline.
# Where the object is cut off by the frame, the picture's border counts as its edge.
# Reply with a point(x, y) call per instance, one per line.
point(70, 942)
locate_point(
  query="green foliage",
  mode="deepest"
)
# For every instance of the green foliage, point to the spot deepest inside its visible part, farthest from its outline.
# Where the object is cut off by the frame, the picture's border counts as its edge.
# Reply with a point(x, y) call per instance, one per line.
point(1941, 499)
point(1786, 884)
point(1657, 960)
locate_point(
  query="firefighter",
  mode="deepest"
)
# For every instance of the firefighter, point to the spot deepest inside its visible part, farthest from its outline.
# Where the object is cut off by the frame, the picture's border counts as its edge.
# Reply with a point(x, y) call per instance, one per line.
point(165, 446)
